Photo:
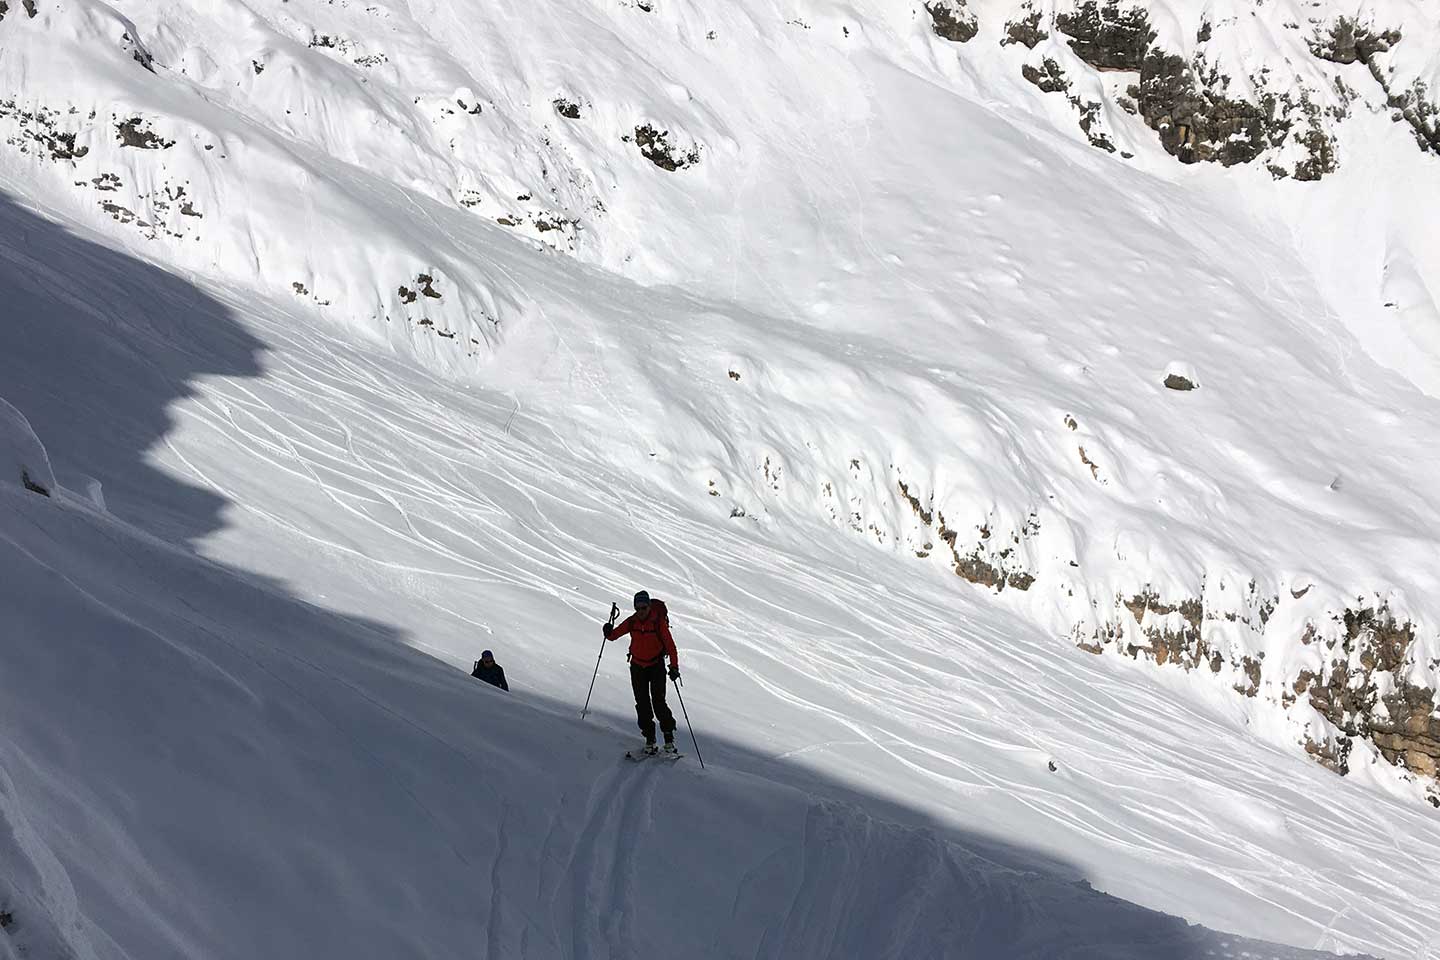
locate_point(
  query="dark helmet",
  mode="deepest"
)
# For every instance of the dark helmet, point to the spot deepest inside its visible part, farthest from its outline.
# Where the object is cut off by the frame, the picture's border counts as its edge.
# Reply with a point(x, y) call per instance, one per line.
point(641, 599)
point(487, 655)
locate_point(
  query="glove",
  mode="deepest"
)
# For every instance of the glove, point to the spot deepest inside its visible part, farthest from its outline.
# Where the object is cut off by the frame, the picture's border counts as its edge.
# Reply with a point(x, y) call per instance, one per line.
point(607, 629)
point(674, 672)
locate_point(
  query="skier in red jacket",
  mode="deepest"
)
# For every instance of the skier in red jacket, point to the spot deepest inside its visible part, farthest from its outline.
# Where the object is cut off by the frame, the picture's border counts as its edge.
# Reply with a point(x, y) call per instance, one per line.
point(650, 643)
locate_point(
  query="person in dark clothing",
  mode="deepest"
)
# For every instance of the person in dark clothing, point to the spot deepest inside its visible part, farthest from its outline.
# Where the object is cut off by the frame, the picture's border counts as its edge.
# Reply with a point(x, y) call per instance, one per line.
point(491, 672)
point(650, 643)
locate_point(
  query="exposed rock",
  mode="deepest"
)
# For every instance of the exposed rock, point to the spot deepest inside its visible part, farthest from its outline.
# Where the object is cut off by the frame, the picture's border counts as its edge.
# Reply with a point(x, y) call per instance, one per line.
point(118, 213)
point(132, 134)
point(1171, 631)
point(45, 128)
point(1366, 694)
point(1108, 37)
point(1049, 76)
point(1193, 124)
point(140, 55)
point(655, 146)
point(1422, 113)
point(567, 109)
point(1025, 30)
point(32, 485)
point(1089, 120)
point(1320, 149)
point(924, 513)
point(62, 147)
point(1176, 382)
point(977, 570)
point(1348, 41)
point(987, 564)
point(1251, 668)
point(951, 21)
point(1332, 754)
point(29, 5)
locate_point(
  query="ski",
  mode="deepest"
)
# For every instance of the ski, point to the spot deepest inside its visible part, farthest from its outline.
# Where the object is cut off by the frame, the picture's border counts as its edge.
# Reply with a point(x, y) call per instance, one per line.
point(639, 756)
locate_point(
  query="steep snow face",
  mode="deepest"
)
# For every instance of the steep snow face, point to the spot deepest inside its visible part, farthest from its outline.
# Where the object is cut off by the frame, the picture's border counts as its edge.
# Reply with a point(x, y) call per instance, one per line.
point(240, 774)
point(896, 766)
point(870, 286)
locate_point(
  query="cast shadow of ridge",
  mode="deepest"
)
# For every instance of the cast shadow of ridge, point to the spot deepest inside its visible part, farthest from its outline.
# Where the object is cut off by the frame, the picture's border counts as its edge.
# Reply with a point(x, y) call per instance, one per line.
point(98, 346)
point(279, 780)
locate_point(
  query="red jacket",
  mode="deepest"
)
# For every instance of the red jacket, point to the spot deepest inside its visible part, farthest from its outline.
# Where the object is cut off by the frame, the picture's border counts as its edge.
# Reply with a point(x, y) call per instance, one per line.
point(649, 636)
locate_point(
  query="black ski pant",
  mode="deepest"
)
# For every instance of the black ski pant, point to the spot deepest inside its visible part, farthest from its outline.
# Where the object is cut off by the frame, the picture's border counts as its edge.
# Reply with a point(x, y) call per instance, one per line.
point(649, 686)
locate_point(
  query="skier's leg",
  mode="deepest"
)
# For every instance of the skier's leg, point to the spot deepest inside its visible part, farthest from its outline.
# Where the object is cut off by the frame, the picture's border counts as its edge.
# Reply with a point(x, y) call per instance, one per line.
point(644, 715)
point(657, 697)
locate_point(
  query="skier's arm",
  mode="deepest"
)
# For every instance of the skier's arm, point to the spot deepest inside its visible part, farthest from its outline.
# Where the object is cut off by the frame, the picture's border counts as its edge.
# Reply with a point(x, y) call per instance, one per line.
point(503, 685)
point(669, 642)
point(622, 628)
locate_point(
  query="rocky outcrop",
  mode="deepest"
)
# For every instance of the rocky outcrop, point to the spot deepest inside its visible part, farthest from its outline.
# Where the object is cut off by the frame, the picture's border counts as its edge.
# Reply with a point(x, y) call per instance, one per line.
point(1050, 78)
point(44, 130)
point(951, 21)
point(992, 562)
point(1188, 106)
point(1189, 103)
point(1025, 30)
point(1348, 41)
point(1194, 124)
point(656, 147)
point(133, 133)
point(1108, 37)
point(1362, 691)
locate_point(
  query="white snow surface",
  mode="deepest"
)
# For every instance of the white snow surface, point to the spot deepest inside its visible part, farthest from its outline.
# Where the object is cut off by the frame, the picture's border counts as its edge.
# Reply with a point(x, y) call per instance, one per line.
point(236, 710)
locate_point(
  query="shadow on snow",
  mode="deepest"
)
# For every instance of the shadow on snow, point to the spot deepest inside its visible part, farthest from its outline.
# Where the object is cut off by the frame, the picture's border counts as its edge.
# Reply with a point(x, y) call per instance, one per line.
point(199, 764)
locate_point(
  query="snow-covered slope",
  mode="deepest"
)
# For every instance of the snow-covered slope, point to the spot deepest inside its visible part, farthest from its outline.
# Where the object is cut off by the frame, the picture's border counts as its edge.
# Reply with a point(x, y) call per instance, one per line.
point(198, 763)
point(409, 315)
point(300, 785)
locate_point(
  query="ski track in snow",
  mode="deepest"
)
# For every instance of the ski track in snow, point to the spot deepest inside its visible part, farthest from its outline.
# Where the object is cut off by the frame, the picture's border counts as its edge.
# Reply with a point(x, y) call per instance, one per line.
point(502, 499)
point(898, 224)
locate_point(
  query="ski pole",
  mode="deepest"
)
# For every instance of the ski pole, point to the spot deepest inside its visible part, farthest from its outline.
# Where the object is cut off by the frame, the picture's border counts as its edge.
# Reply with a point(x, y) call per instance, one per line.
point(614, 612)
point(688, 725)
